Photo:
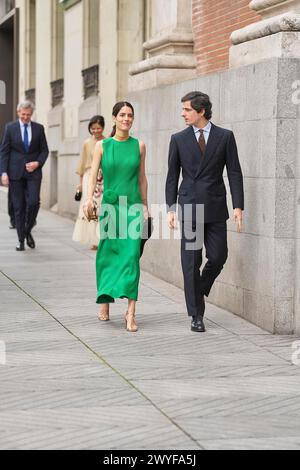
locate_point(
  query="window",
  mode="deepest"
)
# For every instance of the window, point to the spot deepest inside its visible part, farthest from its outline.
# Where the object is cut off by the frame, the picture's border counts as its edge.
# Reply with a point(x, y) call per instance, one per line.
point(9, 5)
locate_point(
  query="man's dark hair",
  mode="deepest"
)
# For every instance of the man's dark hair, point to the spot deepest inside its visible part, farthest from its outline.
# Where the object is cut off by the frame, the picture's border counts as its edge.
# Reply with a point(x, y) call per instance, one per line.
point(199, 101)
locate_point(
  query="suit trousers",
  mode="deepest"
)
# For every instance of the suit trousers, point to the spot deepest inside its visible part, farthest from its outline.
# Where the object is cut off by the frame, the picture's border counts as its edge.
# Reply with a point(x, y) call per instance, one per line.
point(10, 207)
point(196, 283)
point(25, 195)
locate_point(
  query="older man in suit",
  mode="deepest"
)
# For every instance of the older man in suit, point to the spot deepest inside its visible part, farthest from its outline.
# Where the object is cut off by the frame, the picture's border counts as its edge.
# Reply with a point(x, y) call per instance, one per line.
point(201, 152)
point(23, 152)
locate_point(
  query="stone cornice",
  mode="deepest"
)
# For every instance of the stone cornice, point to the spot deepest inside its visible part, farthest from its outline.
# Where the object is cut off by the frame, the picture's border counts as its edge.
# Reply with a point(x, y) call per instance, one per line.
point(172, 38)
point(164, 62)
point(259, 5)
point(286, 22)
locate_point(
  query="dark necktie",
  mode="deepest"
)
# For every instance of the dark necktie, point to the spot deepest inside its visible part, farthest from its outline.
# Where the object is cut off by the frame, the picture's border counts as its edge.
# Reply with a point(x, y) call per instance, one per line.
point(201, 141)
point(26, 140)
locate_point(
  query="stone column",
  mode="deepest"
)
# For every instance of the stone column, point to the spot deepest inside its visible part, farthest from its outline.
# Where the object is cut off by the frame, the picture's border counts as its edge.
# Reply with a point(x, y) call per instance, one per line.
point(169, 50)
point(130, 40)
point(277, 35)
point(43, 62)
point(108, 57)
point(43, 79)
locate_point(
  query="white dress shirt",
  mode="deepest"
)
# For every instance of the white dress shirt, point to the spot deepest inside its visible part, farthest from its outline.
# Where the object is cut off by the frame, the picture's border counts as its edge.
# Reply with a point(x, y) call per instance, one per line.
point(29, 131)
point(206, 131)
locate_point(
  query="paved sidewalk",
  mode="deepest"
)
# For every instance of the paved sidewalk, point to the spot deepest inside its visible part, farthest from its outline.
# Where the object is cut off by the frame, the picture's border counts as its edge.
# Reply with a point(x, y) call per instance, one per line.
point(72, 382)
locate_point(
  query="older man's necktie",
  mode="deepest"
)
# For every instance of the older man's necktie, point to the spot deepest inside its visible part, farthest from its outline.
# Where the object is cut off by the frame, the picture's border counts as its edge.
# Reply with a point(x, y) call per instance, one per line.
point(26, 139)
point(201, 141)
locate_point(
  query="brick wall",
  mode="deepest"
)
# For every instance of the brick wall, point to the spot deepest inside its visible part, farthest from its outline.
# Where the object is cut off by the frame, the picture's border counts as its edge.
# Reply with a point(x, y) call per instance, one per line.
point(213, 22)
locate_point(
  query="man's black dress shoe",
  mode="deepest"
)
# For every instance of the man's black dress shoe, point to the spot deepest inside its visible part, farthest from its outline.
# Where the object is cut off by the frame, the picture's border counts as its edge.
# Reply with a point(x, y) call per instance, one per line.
point(197, 324)
point(30, 241)
point(12, 226)
point(20, 247)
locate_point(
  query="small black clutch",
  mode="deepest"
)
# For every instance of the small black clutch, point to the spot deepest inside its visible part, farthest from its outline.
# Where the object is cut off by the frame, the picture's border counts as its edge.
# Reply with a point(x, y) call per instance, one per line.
point(147, 232)
point(78, 195)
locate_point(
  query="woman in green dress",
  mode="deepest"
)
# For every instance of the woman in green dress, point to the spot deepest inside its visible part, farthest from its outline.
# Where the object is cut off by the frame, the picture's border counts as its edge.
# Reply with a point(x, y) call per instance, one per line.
point(123, 210)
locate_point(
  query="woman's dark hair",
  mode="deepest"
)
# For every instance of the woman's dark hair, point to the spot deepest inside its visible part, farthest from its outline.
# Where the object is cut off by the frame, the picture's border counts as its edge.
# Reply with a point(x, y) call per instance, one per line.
point(96, 120)
point(116, 109)
point(199, 101)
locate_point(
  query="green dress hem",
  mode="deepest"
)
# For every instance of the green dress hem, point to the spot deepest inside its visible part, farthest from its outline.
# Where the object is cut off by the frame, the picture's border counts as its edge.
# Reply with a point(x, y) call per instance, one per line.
point(109, 299)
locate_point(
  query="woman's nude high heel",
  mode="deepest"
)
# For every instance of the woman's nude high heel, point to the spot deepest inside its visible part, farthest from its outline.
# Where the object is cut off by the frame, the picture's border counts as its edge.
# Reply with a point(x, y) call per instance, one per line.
point(103, 316)
point(130, 323)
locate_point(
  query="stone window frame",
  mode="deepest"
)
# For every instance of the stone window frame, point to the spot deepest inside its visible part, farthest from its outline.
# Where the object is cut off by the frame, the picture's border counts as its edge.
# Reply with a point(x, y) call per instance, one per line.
point(57, 92)
point(90, 77)
point(9, 5)
point(65, 4)
point(30, 95)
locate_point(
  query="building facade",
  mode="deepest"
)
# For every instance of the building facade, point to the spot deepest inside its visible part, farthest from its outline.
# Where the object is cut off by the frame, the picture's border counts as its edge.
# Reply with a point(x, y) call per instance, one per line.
point(75, 58)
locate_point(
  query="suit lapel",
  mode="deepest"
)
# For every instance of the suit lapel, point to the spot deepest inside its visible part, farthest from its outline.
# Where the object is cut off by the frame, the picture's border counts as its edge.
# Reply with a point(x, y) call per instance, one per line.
point(18, 133)
point(193, 145)
point(212, 143)
point(32, 134)
point(19, 137)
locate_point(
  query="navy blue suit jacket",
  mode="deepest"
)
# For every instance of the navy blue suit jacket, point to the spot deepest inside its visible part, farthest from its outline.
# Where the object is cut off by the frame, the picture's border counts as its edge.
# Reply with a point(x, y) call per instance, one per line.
point(202, 181)
point(13, 156)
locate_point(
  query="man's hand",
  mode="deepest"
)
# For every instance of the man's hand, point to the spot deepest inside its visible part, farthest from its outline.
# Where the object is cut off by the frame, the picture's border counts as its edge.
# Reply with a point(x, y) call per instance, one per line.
point(32, 166)
point(172, 221)
point(5, 180)
point(238, 219)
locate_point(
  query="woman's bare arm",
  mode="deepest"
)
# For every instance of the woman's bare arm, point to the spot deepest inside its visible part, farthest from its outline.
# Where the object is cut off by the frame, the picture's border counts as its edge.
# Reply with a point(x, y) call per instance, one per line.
point(143, 179)
point(95, 168)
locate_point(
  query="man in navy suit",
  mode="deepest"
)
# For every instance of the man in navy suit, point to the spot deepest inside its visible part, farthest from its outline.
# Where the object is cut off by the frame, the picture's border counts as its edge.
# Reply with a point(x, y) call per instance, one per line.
point(23, 152)
point(201, 152)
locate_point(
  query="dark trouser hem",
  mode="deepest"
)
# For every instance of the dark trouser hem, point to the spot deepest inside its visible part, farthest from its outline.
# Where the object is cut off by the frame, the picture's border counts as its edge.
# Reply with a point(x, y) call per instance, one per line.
point(195, 314)
point(197, 311)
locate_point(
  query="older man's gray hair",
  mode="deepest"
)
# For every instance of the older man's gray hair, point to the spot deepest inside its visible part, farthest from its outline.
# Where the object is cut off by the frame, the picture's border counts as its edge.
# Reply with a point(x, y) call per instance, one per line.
point(25, 105)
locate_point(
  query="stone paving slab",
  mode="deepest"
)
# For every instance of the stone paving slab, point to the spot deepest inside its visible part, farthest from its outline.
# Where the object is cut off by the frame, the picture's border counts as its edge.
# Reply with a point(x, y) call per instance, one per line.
point(72, 382)
point(240, 406)
point(286, 443)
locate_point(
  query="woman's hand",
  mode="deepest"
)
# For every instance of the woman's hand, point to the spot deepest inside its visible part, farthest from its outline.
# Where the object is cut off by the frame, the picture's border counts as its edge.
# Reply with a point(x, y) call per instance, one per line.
point(87, 207)
point(146, 212)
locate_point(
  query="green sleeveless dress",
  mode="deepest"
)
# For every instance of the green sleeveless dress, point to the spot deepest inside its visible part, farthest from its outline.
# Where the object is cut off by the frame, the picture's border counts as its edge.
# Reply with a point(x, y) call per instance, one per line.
point(121, 222)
